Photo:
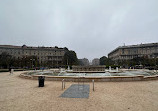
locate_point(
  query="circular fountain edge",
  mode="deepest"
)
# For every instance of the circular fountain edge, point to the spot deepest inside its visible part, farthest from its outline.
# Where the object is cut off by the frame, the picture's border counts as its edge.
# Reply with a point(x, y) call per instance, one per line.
point(89, 79)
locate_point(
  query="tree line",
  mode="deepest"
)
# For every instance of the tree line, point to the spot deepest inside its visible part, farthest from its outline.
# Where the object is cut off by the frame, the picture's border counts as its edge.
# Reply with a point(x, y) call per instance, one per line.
point(138, 62)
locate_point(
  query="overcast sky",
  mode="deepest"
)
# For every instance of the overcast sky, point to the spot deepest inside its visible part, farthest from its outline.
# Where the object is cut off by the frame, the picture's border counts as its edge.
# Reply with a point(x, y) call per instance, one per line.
point(92, 28)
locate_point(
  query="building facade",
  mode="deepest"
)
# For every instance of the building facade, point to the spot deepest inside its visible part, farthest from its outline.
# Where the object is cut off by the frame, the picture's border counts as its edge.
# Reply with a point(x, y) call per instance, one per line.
point(132, 51)
point(51, 55)
point(96, 62)
point(84, 62)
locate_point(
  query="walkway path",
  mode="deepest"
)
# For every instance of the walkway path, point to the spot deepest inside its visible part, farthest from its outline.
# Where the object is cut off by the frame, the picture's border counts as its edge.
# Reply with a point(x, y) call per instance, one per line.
point(18, 94)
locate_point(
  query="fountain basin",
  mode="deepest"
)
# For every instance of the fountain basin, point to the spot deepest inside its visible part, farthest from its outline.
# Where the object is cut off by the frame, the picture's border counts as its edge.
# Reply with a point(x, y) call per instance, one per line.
point(97, 77)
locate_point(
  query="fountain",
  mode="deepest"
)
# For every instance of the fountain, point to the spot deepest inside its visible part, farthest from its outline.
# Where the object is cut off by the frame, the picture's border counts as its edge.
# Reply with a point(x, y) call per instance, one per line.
point(109, 68)
point(117, 69)
point(61, 72)
point(106, 75)
point(68, 68)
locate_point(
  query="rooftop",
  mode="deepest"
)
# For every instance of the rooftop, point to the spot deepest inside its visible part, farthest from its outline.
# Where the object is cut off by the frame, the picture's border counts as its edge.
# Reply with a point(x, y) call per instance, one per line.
point(28, 47)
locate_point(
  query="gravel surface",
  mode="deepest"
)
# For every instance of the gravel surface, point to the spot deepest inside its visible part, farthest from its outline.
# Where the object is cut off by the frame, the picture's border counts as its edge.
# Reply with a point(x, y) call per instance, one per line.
point(19, 94)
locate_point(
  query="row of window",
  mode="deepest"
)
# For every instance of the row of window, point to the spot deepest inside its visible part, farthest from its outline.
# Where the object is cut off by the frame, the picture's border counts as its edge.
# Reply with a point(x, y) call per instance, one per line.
point(138, 51)
point(32, 53)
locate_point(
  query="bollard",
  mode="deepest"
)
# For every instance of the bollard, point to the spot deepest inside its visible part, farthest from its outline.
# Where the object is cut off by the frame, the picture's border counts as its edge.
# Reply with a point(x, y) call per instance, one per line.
point(93, 84)
point(63, 84)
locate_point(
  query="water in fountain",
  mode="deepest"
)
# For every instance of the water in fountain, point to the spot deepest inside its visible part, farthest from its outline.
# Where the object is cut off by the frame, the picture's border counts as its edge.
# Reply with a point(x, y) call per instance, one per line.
point(116, 69)
point(61, 72)
point(68, 68)
point(109, 68)
point(84, 74)
point(107, 73)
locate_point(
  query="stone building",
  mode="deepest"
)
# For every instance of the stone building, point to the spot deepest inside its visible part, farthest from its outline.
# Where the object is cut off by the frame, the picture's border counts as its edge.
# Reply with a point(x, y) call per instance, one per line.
point(84, 62)
point(96, 62)
point(51, 55)
point(132, 51)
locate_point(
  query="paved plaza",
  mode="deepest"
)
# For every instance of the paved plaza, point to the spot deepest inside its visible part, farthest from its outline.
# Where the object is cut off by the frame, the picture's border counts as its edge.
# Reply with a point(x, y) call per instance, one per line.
point(19, 94)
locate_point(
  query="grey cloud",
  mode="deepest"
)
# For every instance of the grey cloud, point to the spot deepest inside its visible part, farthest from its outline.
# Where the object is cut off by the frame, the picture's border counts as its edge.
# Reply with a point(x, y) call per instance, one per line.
point(90, 27)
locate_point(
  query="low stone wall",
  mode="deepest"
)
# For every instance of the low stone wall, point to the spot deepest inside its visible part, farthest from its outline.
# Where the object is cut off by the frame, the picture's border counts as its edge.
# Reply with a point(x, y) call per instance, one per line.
point(148, 78)
point(89, 79)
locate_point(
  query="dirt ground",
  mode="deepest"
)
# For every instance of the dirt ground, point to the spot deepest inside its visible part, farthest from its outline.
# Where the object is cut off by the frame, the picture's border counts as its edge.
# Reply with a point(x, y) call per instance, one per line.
point(19, 94)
